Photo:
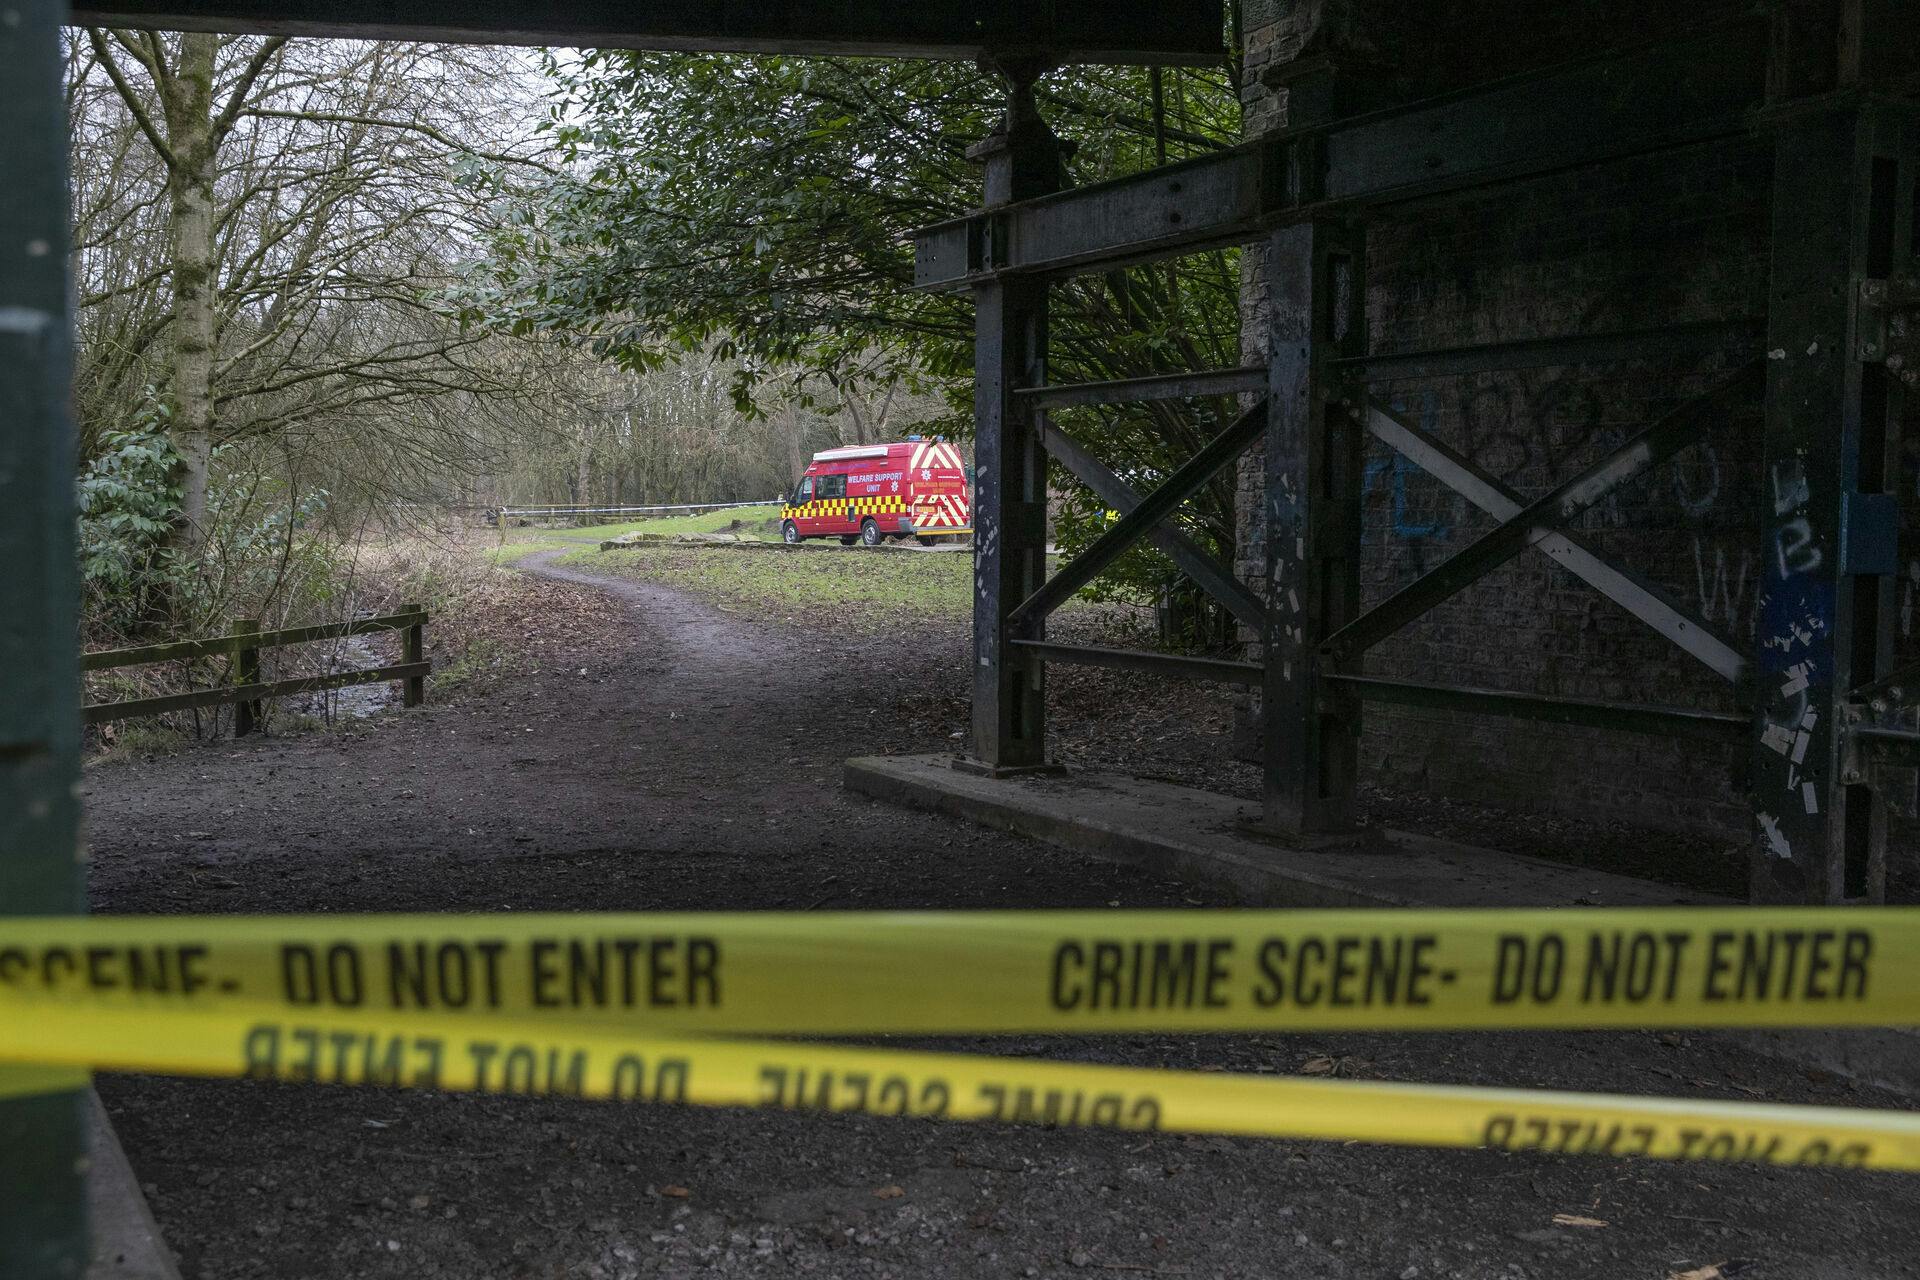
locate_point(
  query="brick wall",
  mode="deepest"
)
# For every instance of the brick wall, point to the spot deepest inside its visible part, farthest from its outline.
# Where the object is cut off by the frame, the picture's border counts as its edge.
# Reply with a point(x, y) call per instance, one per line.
point(1637, 244)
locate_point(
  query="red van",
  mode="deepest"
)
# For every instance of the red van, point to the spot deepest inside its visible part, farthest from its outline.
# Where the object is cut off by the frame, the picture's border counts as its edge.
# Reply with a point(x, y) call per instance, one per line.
point(916, 488)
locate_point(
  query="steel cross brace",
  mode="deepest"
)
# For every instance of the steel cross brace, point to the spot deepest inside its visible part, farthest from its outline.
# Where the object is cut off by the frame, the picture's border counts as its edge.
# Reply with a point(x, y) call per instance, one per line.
point(1214, 578)
point(1899, 689)
point(1639, 597)
point(1666, 437)
point(1135, 524)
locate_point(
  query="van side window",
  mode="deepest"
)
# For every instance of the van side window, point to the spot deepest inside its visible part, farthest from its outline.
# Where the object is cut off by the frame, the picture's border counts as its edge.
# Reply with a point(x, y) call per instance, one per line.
point(804, 493)
point(832, 487)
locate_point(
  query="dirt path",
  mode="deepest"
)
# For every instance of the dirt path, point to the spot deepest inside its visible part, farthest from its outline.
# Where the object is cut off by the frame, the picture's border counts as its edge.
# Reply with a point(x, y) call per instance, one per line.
point(694, 764)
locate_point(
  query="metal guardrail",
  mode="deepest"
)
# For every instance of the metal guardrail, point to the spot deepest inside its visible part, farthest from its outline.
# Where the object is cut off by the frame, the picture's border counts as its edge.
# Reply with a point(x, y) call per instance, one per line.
point(248, 690)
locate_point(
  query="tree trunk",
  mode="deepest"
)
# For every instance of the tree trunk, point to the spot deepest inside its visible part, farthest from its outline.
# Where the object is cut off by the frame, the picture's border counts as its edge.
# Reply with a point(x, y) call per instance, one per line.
point(796, 446)
point(190, 119)
point(869, 423)
point(583, 470)
point(858, 420)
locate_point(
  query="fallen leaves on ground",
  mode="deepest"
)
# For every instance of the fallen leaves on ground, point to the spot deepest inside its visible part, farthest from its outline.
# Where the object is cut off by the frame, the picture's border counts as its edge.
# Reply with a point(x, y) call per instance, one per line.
point(1577, 1220)
point(677, 1193)
point(889, 1193)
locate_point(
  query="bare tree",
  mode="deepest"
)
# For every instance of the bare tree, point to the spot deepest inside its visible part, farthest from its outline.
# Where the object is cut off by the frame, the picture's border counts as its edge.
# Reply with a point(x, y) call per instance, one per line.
point(196, 116)
point(263, 229)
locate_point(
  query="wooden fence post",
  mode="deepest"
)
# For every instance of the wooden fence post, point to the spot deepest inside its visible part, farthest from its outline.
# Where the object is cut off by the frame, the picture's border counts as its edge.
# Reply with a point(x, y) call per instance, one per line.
point(246, 670)
point(415, 650)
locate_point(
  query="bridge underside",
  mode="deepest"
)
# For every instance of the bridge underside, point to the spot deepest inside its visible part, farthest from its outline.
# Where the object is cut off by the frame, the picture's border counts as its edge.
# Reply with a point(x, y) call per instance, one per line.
point(1821, 717)
point(1814, 702)
point(1186, 31)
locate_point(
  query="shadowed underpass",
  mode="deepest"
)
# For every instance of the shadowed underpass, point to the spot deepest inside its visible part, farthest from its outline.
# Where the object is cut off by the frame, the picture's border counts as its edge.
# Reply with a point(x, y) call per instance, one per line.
point(691, 762)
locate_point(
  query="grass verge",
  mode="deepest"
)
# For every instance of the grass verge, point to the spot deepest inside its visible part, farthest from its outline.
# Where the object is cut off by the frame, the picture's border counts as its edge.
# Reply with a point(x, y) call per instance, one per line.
point(850, 589)
point(748, 522)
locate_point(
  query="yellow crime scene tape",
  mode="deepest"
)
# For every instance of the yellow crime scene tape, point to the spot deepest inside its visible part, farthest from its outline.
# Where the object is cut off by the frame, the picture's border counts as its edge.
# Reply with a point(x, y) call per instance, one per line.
point(628, 1007)
point(1004, 971)
point(534, 1058)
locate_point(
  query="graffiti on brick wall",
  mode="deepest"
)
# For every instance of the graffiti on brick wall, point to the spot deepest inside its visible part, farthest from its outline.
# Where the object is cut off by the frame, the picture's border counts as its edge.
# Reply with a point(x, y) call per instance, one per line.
point(1696, 480)
point(1725, 583)
point(1546, 424)
point(1725, 565)
point(1539, 434)
point(1395, 471)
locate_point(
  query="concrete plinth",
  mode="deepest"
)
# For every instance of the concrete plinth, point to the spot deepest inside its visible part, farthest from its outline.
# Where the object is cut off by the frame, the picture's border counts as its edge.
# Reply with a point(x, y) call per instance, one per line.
point(1203, 838)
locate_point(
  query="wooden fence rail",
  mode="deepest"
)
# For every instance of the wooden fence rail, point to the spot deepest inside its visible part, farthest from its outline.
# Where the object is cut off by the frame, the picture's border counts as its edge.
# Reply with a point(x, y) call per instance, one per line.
point(247, 690)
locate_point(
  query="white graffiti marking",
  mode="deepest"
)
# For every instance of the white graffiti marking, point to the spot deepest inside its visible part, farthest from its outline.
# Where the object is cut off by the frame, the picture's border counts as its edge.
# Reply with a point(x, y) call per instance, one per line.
point(1793, 544)
point(1721, 591)
point(1789, 485)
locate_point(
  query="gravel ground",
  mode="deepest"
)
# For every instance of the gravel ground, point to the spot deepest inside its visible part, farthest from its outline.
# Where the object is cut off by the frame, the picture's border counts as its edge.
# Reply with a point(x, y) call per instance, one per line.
point(666, 754)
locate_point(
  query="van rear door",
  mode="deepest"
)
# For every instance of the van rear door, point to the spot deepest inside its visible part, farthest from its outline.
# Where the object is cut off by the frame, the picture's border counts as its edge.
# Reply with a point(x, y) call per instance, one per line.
point(940, 494)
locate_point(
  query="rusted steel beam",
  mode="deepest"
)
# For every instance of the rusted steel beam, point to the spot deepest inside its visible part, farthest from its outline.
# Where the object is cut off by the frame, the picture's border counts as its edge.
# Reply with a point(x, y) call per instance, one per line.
point(1694, 90)
point(1176, 665)
point(1313, 473)
point(1665, 343)
point(1213, 200)
point(1166, 386)
point(1022, 158)
point(1892, 746)
point(1628, 717)
point(1844, 182)
point(1167, 31)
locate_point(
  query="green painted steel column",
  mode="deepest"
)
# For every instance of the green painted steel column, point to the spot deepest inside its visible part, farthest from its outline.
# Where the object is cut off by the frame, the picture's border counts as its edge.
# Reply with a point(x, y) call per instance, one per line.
point(1843, 226)
point(42, 1202)
point(1312, 480)
point(1023, 160)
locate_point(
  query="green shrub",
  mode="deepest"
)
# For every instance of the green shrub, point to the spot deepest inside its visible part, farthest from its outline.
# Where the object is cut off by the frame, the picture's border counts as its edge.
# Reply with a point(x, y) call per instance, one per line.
point(129, 506)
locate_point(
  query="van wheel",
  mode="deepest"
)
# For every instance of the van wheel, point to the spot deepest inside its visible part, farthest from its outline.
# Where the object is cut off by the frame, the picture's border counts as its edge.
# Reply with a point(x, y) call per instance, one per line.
point(790, 533)
point(926, 540)
point(870, 533)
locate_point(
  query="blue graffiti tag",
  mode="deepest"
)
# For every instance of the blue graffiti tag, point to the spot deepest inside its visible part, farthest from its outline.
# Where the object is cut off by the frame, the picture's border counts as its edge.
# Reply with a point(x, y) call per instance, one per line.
point(1398, 467)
